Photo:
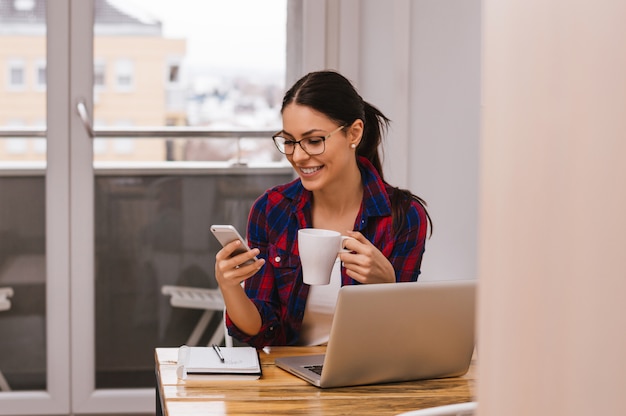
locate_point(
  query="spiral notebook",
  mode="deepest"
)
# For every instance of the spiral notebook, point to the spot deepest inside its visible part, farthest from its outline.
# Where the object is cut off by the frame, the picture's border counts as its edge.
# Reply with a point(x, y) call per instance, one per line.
point(221, 363)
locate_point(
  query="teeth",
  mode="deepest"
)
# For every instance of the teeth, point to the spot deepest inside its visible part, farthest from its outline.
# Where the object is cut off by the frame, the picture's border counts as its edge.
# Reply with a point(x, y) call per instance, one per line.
point(310, 170)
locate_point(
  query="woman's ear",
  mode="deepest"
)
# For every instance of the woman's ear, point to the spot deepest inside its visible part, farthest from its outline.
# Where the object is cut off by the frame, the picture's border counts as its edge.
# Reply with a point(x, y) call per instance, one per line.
point(355, 133)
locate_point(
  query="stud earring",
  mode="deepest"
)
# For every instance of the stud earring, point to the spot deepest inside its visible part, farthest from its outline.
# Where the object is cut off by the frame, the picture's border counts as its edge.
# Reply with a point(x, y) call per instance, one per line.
point(353, 145)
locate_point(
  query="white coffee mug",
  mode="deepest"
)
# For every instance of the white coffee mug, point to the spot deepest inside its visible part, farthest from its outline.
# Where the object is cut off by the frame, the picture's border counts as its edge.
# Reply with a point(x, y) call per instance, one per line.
point(318, 250)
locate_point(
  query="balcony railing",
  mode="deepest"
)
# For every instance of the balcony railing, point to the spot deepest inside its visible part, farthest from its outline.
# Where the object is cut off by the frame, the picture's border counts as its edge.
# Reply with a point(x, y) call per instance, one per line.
point(153, 167)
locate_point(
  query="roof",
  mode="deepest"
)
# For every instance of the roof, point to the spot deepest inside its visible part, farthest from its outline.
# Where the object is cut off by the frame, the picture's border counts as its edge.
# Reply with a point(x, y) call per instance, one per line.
point(22, 11)
point(107, 13)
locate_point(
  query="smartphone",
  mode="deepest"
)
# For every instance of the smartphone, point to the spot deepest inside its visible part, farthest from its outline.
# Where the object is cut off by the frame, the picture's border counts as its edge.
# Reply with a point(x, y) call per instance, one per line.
point(227, 233)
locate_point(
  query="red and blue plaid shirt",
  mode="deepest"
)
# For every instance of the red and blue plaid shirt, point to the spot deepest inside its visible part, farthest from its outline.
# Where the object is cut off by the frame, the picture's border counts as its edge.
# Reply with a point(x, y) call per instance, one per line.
point(275, 218)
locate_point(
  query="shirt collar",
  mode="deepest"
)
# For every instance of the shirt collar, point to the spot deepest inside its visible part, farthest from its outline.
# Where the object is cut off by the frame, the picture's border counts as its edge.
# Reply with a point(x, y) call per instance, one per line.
point(377, 203)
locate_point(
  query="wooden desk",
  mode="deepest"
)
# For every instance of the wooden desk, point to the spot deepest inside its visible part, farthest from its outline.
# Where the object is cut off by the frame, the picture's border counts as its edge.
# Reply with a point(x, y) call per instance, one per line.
point(280, 393)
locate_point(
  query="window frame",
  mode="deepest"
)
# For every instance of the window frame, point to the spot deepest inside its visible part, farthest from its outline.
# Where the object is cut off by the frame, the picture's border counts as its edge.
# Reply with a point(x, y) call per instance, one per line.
point(124, 68)
point(14, 64)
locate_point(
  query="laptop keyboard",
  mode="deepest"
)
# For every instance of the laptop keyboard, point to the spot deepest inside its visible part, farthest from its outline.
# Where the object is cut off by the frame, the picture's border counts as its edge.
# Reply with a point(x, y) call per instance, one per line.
point(317, 369)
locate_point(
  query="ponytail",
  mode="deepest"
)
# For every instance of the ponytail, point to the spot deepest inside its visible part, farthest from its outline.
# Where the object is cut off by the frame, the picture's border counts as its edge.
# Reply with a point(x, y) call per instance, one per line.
point(375, 125)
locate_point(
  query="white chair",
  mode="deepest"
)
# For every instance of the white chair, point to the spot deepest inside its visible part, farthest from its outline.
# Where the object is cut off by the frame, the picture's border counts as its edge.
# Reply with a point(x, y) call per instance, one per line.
point(210, 300)
point(459, 409)
point(5, 305)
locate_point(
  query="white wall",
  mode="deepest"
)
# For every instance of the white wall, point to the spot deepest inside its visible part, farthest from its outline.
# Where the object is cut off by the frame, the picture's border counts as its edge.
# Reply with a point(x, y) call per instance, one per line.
point(552, 228)
point(418, 61)
point(552, 337)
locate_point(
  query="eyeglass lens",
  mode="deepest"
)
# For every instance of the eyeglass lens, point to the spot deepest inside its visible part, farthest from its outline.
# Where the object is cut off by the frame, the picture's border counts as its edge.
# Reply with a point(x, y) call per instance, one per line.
point(311, 145)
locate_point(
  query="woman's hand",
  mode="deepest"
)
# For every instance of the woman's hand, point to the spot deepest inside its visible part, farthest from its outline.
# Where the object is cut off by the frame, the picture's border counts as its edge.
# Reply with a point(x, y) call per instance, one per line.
point(230, 271)
point(366, 263)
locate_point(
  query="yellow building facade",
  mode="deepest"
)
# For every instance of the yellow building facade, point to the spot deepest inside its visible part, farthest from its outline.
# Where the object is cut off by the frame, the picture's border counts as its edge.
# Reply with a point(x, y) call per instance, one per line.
point(137, 82)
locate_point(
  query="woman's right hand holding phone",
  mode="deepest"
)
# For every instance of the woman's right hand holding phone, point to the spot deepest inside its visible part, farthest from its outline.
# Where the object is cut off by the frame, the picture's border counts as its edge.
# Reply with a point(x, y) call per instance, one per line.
point(231, 271)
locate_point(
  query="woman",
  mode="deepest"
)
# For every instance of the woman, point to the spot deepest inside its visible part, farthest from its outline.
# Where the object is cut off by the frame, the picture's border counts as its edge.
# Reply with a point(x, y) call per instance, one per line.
point(331, 137)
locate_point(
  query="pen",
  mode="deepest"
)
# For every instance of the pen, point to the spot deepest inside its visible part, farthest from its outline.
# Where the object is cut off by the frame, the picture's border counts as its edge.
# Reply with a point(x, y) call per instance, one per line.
point(216, 348)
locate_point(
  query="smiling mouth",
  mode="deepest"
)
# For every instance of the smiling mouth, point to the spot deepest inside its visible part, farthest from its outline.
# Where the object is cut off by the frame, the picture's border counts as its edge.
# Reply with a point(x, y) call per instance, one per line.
point(309, 171)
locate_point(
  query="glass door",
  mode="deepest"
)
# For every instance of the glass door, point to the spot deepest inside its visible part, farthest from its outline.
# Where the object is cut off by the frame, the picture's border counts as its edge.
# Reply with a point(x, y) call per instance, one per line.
point(122, 138)
point(34, 206)
point(170, 132)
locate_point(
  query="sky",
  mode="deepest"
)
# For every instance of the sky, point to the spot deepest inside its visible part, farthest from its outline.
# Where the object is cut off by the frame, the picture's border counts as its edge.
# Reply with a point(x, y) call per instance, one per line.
point(223, 33)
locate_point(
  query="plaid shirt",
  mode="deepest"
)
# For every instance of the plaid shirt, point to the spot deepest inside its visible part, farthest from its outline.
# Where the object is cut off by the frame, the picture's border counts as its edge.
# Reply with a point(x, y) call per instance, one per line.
point(275, 218)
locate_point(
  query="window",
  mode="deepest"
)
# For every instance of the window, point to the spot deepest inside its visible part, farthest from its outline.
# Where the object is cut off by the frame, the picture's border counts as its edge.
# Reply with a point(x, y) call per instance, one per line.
point(99, 74)
point(99, 146)
point(123, 145)
point(124, 74)
point(149, 74)
point(40, 146)
point(173, 73)
point(16, 75)
point(15, 146)
point(40, 75)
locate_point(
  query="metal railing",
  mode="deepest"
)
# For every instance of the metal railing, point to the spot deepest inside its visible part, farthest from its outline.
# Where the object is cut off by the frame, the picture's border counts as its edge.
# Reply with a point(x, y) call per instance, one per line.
point(164, 132)
point(144, 132)
point(187, 132)
point(22, 133)
point(178, 132)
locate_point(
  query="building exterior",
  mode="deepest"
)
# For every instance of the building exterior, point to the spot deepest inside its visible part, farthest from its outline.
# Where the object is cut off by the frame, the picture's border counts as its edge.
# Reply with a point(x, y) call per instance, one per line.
point(137, 79)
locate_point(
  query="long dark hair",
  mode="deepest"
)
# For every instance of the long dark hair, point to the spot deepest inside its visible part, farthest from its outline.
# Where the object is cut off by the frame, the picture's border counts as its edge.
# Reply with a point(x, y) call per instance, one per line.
point(333, 95)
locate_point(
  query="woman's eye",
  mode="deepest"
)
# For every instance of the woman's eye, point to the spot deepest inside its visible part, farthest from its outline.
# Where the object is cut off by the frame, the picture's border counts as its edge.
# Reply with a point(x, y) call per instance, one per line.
point(314, 140)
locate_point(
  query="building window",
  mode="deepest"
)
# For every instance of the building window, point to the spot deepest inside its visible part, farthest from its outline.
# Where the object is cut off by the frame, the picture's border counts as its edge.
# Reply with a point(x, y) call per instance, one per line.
point(99, 145)
point(16, 146)
point(16, 75)
point(173, 73)
point(40, 75)
point(39, 146)
point(124, 74)
point(124, 145)
point(99, 74)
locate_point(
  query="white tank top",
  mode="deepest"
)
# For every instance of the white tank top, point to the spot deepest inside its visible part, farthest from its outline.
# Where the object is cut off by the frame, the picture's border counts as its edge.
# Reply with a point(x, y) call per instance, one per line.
point(319, 310)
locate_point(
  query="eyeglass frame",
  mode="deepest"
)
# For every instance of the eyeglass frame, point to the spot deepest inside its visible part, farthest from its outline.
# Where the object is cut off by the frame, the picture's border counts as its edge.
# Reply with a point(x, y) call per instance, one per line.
point(295, 142)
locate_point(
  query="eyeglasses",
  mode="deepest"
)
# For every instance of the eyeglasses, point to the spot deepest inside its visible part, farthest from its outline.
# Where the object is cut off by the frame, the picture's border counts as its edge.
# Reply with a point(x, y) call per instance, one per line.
point(311, 145)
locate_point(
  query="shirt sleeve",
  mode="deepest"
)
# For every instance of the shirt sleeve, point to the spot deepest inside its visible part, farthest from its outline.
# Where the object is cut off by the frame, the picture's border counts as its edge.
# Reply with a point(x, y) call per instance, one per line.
point(274, 289)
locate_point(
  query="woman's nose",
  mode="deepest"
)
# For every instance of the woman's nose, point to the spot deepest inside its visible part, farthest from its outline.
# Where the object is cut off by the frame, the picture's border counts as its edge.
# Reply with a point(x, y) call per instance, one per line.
point(299, 153)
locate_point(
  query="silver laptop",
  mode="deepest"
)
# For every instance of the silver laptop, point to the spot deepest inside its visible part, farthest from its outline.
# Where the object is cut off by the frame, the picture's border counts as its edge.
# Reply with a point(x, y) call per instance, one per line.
point(394, 332)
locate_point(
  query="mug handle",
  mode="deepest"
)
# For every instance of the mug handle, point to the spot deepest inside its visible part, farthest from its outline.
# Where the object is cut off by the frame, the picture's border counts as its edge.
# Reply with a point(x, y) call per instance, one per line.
point(344, 238)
